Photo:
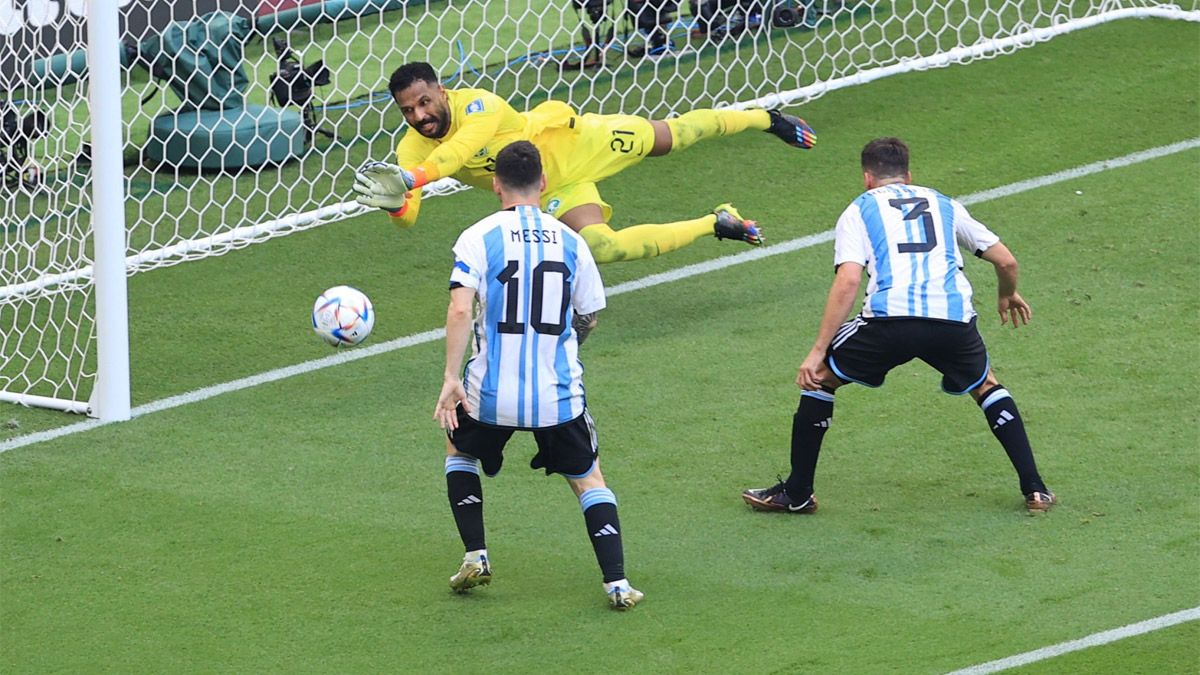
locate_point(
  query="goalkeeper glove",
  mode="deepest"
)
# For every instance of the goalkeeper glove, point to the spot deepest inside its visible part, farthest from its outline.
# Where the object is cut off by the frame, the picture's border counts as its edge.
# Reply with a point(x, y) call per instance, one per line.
point(382, 185)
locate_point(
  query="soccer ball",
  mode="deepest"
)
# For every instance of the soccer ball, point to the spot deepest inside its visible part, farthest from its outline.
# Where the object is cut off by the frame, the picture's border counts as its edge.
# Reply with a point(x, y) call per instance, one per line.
point(343, 315)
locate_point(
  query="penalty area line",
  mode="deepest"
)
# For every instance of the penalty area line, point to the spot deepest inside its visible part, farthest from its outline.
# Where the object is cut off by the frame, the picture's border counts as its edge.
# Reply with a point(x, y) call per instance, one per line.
point(1093, 640)
point(627, 287)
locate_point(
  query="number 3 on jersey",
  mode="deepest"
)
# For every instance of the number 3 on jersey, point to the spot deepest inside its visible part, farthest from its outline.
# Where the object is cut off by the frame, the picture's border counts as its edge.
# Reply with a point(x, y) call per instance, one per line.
point(509, 278)
point(920, 210)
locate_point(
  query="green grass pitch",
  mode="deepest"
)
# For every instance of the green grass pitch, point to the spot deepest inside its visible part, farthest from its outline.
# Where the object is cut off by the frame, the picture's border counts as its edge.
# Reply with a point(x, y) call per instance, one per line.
point(302, 526)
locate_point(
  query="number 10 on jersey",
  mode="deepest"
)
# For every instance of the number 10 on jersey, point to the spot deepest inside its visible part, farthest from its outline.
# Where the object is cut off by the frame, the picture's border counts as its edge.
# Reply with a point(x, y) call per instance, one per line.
point(511, 277)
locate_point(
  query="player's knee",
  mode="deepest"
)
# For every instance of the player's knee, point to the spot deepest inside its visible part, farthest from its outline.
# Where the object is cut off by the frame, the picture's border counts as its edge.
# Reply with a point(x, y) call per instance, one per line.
point(693, 126)
point(681, 134)
point(664, 137)
point(591, 480)
point(989, 382)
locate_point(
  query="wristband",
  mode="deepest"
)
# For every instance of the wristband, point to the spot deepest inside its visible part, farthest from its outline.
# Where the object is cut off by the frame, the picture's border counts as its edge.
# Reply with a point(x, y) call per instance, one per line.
point(420, 176)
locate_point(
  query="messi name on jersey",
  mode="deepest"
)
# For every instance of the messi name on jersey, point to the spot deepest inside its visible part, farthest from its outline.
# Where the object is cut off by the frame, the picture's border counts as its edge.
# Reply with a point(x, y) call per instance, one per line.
point(534, 236)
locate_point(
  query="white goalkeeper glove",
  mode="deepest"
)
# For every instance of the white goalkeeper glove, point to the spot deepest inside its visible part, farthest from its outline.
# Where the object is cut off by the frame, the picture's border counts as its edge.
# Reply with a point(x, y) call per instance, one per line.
point(382, 185)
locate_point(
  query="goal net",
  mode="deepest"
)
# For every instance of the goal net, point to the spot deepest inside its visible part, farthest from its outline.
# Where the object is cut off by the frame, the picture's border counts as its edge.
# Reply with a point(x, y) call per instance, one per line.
point(244, 120)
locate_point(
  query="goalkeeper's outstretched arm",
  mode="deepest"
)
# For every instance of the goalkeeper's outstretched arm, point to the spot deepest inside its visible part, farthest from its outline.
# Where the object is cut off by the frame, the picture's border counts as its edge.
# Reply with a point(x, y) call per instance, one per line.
point(406, 216)
point(388, 187)
point(396, 188)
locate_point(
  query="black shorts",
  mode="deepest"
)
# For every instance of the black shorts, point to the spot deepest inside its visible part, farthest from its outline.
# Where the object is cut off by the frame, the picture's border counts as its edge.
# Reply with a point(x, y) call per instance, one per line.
point(569, 448)
point(864, 350)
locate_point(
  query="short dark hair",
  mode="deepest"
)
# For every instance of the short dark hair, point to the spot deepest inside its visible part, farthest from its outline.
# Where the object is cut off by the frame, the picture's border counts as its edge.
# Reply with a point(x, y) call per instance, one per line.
point(407, 74)
point(519, 166)
point(885, 157)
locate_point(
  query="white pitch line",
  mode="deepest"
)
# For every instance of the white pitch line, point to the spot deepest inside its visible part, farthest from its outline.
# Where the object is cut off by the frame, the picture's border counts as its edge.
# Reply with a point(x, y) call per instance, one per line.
point(634, 285)
point(1085, 170)
point(1093, 640)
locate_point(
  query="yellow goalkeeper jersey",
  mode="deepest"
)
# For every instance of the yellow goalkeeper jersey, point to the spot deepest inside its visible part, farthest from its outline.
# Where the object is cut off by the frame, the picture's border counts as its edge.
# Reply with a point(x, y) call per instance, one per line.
point(481, 125)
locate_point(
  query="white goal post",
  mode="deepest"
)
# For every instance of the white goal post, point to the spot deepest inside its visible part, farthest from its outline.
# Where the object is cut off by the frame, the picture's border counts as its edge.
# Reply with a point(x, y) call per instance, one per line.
point(190, 128)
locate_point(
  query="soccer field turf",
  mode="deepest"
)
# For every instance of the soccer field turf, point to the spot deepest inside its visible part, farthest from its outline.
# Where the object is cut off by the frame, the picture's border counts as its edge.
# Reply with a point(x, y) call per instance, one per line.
point(301, 525)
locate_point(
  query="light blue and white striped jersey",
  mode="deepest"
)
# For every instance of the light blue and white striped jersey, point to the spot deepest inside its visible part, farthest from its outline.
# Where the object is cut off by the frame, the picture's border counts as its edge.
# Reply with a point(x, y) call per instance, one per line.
point(904, 235)
point(531, 276)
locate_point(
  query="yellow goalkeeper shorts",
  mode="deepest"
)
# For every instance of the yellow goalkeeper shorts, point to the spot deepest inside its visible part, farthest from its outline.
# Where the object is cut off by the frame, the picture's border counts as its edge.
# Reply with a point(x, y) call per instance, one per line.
point(578, 156)
point(567, 197)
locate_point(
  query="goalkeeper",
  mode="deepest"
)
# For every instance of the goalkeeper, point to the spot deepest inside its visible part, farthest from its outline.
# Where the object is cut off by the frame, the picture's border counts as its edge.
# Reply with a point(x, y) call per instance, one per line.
point(459, 132)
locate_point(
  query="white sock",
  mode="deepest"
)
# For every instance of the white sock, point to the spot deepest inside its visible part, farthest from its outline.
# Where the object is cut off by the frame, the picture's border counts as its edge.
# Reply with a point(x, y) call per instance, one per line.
point(623, 584)
point(475, 556)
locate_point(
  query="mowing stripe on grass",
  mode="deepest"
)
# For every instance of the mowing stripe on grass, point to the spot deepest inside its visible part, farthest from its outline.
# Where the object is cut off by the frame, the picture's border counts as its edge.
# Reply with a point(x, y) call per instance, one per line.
point(636, 284)
point(1093, 640)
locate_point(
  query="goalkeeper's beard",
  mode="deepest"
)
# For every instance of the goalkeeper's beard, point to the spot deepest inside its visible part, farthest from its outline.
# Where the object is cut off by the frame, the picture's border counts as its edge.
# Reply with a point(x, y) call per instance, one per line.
point(441, 124)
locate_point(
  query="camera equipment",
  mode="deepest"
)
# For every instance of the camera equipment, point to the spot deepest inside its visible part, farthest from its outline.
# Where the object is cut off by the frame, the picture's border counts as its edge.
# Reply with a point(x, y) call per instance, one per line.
point(16, 133)
point(293, 84)
point(597, 29)
point(718, 18)
point(653, 19)
point(787, 17)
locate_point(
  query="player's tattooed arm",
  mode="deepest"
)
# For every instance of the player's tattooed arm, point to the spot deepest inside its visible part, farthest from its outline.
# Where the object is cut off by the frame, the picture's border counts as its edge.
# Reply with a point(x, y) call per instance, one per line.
point(583, 325)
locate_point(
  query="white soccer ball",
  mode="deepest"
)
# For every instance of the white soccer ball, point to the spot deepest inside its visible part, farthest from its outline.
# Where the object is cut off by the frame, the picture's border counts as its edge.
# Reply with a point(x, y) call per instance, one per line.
point(343, 316)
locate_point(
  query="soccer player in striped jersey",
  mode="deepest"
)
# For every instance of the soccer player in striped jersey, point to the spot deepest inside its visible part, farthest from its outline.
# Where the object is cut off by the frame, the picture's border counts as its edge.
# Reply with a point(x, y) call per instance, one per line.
point(917, 305)
point(459, 132)
point(538, 291)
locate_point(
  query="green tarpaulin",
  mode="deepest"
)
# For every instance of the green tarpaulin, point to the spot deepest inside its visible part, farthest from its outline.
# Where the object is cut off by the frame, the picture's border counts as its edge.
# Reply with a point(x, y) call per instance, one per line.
point(201, 60)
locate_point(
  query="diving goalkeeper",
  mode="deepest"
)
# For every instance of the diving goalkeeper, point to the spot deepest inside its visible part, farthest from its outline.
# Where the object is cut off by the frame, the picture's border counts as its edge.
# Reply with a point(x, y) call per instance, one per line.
point(459, 132)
